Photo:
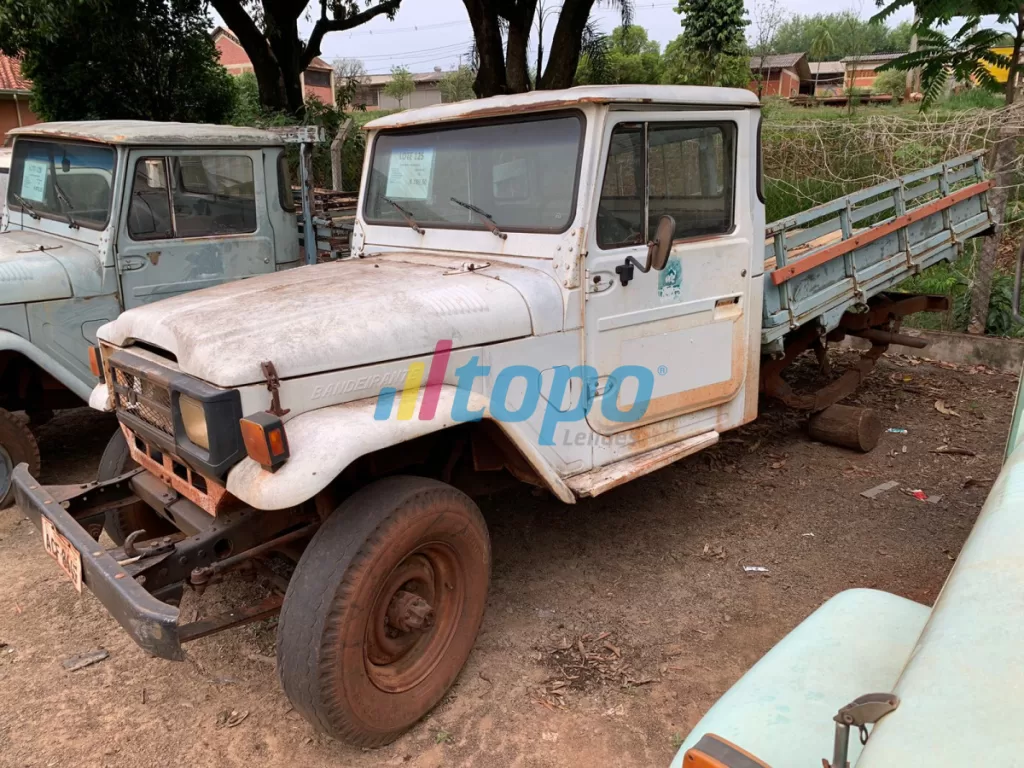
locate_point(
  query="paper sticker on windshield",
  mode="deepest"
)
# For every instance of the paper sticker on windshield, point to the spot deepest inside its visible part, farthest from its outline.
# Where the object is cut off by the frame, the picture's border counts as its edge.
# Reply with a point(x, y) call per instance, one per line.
point(33, 180)
point(670, 281)
point(409, 174)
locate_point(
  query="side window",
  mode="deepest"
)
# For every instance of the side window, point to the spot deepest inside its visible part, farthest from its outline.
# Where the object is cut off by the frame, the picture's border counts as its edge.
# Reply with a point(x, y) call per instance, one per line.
point(284, 183)
point(691, 177)
point(213, 195)
point(620, 212)
point(149, 212)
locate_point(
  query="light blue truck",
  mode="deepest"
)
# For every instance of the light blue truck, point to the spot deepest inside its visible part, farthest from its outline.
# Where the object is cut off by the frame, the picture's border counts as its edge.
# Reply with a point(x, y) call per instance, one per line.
point(104, 216)
point(874, 680)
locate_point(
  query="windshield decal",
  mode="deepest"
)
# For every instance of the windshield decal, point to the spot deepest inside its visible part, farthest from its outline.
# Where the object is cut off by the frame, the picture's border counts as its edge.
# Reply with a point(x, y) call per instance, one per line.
point(409, 174)
point(33, 180)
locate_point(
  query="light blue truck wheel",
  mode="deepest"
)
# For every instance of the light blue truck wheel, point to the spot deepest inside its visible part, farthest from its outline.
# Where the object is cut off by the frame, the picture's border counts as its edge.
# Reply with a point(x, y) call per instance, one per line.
point(17, 445)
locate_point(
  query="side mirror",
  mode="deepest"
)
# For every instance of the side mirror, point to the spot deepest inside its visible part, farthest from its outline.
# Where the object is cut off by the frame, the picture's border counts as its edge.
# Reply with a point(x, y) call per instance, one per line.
point(657, 252)
point(658, 249)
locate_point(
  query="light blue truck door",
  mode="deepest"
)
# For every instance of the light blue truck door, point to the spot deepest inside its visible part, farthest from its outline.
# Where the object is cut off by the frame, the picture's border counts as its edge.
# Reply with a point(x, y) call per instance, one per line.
point(191, 218)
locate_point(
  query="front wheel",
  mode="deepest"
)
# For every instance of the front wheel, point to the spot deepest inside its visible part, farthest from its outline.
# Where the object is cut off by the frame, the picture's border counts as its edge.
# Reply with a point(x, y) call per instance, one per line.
point(17, 445)
point(384, 608)
point(121, 521)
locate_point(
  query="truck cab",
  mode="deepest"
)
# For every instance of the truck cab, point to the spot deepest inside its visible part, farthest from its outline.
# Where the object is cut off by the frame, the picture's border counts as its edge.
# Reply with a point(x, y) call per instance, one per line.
point(104, 216)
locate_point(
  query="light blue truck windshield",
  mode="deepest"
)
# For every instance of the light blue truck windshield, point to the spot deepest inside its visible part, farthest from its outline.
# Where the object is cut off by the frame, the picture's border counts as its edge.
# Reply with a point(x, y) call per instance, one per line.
point(54, 179)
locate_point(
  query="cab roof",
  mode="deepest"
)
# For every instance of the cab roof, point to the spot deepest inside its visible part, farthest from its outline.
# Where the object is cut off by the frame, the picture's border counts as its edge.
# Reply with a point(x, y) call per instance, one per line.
point(537, 101)
point(149, 133)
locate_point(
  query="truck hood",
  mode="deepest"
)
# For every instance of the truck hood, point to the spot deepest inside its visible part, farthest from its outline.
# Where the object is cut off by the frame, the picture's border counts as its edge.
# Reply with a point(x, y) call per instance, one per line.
point(30, 267)
point(327, 317)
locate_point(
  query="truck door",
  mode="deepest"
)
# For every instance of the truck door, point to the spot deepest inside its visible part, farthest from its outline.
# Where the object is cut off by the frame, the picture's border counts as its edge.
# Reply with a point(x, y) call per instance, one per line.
point(685, 324)
point(191, 219)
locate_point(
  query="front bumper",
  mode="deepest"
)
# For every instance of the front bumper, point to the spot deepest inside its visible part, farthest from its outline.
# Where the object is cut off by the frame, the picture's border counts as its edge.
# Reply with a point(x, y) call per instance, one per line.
point(152, 623)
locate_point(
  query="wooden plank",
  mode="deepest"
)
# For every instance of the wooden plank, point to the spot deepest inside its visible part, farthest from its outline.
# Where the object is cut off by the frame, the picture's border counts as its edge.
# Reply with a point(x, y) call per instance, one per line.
point(825, 255)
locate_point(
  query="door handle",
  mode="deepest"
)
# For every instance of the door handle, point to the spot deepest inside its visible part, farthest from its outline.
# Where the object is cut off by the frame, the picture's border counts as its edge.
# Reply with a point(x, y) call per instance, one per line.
point(130, 263)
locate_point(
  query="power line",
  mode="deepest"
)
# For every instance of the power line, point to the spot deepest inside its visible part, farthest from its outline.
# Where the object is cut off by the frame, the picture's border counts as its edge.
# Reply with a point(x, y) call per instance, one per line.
point(402, 30)
point(418, 53)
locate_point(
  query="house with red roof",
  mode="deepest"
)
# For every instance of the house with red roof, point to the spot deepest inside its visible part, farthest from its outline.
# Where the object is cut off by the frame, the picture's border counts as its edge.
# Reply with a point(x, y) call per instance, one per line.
point(317, 80)
point(15, 91)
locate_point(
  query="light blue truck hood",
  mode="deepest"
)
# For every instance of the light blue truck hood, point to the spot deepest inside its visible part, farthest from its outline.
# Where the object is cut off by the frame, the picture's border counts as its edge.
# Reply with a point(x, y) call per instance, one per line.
point(33, 266)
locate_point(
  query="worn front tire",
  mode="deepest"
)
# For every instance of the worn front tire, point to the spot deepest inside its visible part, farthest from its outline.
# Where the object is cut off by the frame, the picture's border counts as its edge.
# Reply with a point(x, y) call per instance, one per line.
point(17, 445)
point(384, 608)
point(116, 460)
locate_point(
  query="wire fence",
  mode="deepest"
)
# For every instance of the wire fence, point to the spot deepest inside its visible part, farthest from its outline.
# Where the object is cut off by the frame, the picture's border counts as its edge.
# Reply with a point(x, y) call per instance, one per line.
point(809, 162)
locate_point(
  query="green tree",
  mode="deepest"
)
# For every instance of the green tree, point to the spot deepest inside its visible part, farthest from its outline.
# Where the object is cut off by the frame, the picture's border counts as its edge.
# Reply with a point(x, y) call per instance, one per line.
point(631, 57)
point(892, 83)
point(822, 45)
point(349, 74)
point(457, 85)
point(712, 49)
point(798, 33)
point(268, 30)
point(247, 109)
point(962, 55)
point(92, 59)
point(400, 85)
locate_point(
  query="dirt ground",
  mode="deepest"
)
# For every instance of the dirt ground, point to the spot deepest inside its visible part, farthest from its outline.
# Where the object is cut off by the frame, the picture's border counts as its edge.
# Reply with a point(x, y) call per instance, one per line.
point(647, 581)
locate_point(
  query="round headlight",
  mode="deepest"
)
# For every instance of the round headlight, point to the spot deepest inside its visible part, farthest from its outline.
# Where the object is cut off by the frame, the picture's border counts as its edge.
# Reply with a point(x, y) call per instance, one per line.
point(193, 417)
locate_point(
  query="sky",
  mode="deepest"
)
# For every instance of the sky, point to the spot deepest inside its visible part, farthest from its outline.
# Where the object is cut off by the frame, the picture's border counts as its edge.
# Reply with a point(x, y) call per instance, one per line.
point(436, 33)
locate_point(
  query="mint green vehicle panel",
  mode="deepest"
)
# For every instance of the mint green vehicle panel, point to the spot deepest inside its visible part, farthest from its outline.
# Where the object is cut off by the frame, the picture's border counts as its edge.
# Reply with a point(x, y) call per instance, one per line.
point(956, 668)
point(963, 690)
point(781, 709)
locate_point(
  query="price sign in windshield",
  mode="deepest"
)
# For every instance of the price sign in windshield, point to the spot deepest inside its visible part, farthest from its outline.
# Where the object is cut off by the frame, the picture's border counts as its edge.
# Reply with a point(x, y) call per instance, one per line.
point(33, 180)
point(409, 174)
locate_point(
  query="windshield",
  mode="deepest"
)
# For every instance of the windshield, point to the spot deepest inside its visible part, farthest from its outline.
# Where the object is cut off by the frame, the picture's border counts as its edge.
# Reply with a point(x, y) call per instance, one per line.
point(521, 175)
point(55, 179)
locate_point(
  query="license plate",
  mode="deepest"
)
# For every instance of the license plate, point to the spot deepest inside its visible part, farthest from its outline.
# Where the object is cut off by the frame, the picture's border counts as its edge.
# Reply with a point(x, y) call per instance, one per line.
point(63, 551)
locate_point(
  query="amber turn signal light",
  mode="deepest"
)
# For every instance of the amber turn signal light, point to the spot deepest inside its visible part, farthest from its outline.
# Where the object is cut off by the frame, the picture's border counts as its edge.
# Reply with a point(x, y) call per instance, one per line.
point(265, 440)
point(95, 362)
point(715, 752)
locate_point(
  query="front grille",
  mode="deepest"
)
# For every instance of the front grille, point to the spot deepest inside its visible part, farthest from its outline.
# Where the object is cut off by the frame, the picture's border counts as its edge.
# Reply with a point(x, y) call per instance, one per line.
point(143, 399)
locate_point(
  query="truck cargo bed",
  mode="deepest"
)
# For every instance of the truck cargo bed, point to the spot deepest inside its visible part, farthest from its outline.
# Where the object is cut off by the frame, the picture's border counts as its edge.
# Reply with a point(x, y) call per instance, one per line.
point(826, 260)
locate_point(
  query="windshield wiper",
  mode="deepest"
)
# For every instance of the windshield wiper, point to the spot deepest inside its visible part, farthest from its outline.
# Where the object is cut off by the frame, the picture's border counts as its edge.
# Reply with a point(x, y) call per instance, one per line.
point(487, 218)
point(66, 204)
point(25, 204)
point(405, 214)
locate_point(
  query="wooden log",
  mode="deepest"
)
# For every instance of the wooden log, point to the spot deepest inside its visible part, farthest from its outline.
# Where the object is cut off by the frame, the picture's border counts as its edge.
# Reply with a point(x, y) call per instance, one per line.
point(845, 425)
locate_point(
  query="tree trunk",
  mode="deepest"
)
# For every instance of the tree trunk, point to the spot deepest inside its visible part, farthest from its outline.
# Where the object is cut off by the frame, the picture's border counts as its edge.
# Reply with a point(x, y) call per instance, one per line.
point(845, 425)
point(264, 64)
point(517, 71)
point(283, 38)
point(491, 78)
point(565, 45)
point(1003, 161)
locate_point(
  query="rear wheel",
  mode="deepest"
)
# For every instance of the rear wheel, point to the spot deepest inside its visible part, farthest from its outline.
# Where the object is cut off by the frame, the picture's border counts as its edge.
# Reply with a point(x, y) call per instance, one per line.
point(17, 445)
point(383, 609)
point(120, 522)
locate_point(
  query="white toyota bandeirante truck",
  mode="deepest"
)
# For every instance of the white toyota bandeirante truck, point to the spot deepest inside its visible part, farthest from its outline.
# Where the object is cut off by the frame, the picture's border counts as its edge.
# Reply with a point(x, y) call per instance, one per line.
point(568, 288)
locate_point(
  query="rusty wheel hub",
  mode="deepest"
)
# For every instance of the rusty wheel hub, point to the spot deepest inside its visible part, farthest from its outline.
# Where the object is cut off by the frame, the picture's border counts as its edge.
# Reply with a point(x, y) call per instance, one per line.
point(414, 618)
point(409, 612)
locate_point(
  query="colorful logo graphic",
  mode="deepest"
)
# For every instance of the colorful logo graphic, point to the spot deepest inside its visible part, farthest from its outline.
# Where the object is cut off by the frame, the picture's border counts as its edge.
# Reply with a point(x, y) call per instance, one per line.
point(592, 386)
